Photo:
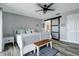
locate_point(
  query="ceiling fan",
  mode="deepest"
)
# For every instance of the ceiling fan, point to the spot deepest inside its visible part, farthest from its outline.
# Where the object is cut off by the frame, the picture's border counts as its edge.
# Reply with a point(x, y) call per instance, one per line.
point(45, 7)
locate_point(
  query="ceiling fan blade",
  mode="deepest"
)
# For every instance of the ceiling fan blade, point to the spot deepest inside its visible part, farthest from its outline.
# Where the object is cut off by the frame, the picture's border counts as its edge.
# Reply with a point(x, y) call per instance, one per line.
point(40, 5)
point(39, 10)
point(51, 9)
point(50, 5)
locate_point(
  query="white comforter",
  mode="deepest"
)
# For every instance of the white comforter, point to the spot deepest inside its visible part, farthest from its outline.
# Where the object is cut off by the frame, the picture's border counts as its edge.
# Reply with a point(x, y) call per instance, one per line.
point(25, 39)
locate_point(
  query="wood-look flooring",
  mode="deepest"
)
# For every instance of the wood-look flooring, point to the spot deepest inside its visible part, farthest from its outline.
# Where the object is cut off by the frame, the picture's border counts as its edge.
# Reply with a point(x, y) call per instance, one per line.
point(64, 48)
point(10, 50)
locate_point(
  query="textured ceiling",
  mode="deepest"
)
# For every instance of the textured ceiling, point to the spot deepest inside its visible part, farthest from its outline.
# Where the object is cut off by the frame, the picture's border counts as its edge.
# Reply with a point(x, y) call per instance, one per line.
point(29, 9)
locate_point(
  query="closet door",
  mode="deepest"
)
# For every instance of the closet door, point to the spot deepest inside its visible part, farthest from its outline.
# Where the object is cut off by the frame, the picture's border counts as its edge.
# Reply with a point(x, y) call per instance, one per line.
point(77, 28)
point(1, 32)
point(73, 28)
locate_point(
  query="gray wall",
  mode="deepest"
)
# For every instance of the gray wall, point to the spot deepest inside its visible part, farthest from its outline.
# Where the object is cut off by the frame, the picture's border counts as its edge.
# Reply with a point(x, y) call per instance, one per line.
point(13, 21)
point(63, 25)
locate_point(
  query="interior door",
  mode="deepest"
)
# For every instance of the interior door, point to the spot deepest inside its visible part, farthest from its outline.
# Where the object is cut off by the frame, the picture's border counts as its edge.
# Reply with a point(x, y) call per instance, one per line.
point(73, 28)
point(55, 28)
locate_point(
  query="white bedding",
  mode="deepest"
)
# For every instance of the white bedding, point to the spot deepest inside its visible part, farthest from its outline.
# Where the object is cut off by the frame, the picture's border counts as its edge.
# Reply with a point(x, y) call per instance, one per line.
point(24, 40)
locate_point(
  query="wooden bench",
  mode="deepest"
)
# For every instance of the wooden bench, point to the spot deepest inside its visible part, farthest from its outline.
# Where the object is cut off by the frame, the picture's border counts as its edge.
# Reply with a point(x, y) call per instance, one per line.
point(42, 43)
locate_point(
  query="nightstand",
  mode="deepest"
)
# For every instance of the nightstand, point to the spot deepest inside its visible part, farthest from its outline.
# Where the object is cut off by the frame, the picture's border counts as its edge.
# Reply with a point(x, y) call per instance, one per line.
point(9, 39)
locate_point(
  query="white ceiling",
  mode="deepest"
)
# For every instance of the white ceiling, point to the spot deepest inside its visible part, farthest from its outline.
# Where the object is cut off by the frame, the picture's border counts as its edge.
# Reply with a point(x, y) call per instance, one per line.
point(29, 9)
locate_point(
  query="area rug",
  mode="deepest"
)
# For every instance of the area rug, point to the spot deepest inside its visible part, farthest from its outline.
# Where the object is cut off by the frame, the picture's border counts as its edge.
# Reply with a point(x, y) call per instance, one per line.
point(45, 51)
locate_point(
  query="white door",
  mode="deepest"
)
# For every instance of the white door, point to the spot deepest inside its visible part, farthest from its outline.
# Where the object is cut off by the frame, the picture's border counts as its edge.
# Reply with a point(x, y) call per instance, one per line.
point(77, 29)
point(73, 28)
point(1, 45)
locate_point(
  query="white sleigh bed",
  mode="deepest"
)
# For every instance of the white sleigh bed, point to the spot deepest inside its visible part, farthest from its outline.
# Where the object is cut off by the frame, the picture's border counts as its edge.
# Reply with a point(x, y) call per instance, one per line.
point(25, 41)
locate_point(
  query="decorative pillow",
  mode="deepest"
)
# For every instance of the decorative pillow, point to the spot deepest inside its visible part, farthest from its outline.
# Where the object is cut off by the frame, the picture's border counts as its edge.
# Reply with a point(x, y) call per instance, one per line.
point(20, 31)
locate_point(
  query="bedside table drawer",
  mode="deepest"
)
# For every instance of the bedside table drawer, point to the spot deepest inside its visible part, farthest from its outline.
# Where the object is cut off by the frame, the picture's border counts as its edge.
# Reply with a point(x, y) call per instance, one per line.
point(8, 40)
